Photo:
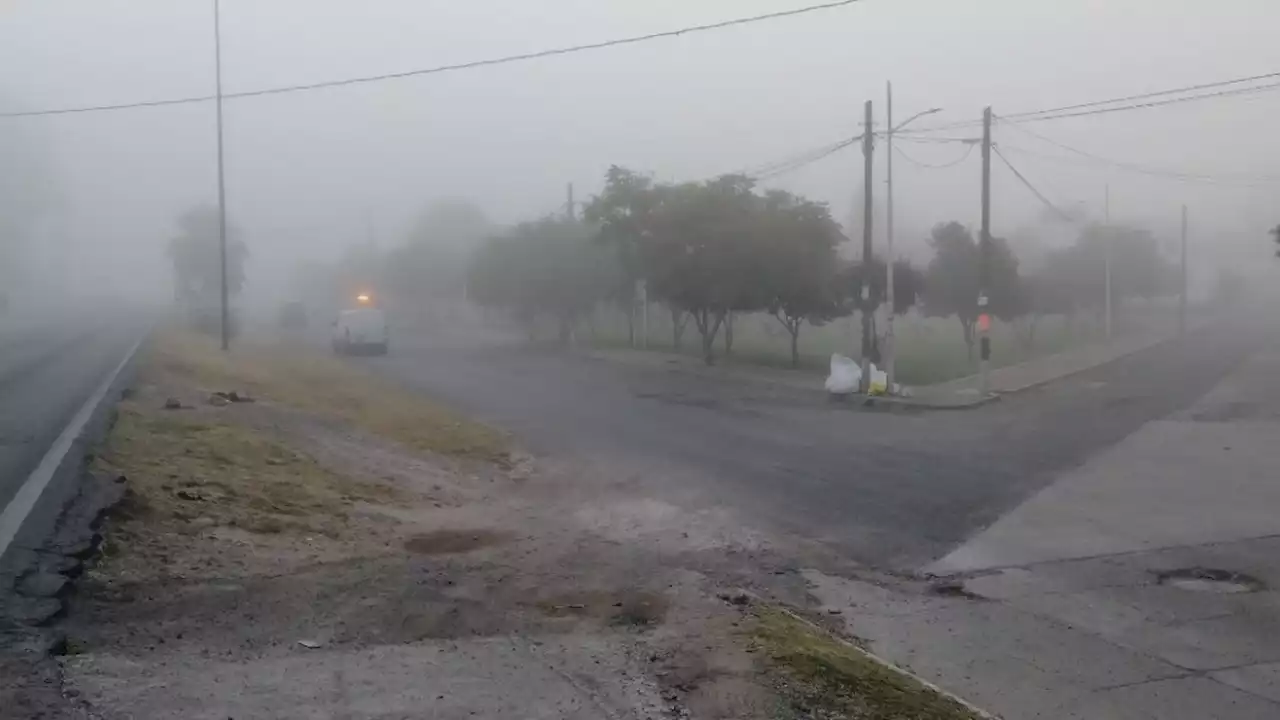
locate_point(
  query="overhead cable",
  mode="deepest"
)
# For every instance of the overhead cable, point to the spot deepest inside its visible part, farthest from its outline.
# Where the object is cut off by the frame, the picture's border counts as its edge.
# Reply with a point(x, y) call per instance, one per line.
point(967, 152)
point(1048, 203)
point(519, 57)
point(1234, 178)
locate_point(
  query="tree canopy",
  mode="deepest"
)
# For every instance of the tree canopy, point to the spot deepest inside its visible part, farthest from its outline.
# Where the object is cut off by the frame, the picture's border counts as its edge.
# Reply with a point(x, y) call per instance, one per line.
point(952, 280)
point(548, 267)
point(197, 265)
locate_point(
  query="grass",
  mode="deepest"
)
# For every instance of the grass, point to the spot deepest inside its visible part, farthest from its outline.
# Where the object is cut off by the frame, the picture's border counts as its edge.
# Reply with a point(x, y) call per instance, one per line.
point(314, 383)
point(192, 469)
point(825, 677)
point(930, 350)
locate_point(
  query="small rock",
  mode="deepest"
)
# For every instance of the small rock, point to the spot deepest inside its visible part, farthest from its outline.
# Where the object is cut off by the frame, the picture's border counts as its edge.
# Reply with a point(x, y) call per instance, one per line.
point(735, 597)
point(173, 404)
point(310, 644)
point(186, 494)
point(834, 611)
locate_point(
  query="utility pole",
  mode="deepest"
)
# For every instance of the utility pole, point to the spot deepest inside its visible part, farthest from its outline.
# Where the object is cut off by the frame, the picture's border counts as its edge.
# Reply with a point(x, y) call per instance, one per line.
point(890, 351)
point(222, 191)
point(868, 145)
point(890, 340)
point(1110, 240)
point(1182, 296)
point(569, 205)
point(984, 263)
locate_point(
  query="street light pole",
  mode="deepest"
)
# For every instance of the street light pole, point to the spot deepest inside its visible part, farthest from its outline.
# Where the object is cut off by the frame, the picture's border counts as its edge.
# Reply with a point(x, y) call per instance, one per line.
point(222, 191)
point(890, 342)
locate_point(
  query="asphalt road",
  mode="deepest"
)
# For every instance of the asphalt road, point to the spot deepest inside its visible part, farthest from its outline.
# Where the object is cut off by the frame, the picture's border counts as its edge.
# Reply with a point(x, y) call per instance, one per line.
point(48, 368)
point(892, 490)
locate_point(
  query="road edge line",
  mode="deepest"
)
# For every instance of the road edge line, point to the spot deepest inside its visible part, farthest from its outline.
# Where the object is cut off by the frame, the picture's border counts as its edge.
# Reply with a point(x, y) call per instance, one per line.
point(24, 501)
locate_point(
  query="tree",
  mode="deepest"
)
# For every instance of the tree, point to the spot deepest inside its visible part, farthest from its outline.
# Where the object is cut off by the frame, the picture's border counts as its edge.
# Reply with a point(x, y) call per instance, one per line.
point(551, 266)
point(701, 252)
point(197, 266)
point(798, 239)
point(908, 284)
point(1275, 235)
point(952, 278)
point(623, 214)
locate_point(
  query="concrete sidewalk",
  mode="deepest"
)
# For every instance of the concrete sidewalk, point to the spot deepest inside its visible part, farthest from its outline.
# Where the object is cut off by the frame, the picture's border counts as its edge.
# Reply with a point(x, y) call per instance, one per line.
point(1142, 584)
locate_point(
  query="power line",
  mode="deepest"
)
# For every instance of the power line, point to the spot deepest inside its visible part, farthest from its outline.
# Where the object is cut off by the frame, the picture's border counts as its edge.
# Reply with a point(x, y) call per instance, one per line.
point(1132, 167)
point(805, 161)
point(1157, 103)
point(1082, 109)
point(520, 57)
point(967, 152)
point(1048, 203)
point(1144, 96)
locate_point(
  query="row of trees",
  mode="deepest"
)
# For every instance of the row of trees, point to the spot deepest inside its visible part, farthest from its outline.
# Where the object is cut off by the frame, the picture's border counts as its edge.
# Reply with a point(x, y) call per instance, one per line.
point(708, 250)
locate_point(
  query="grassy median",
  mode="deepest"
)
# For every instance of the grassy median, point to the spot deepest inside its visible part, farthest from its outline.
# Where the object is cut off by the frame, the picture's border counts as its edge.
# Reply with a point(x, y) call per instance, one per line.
point(315, 383)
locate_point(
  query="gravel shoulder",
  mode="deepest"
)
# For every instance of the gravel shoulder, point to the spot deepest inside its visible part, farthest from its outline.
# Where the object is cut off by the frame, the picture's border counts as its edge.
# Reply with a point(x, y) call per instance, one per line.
point(298, 539)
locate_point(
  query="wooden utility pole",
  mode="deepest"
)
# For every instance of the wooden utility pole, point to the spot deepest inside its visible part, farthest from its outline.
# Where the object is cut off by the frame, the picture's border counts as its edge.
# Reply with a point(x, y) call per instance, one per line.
point(868, 146)
point(984, 263)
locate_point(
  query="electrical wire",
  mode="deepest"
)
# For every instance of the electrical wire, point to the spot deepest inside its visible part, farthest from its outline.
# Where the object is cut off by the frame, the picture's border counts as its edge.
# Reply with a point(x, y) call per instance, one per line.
point(1048, 203)
point(967, 152)
point(1144, 96)
point(519, 57)
point(1097, 107)
point(805, 161)
point(1133, 167)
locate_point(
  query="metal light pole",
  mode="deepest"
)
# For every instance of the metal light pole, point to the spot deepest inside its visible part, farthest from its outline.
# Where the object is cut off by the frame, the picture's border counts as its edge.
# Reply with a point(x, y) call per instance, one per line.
point(890, 351)
point(222, 191)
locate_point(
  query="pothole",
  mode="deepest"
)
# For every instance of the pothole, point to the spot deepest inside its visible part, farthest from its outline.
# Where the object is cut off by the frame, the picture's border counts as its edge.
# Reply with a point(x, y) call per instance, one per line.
point(448, 542)
point(1210, 580)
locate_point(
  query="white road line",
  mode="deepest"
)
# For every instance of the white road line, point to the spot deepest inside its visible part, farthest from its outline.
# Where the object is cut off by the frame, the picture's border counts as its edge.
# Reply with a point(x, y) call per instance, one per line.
point(16, 512)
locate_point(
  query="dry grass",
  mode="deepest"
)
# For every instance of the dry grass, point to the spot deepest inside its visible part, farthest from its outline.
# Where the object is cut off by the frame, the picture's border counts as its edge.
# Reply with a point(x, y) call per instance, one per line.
point(196, 470)
point(824, 677)
point(330, 388)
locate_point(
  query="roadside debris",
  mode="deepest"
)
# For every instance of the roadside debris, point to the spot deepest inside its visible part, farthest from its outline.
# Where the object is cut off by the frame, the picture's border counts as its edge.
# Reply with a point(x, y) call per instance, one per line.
point(173, 404)
point(311, 644)
point(846, 377)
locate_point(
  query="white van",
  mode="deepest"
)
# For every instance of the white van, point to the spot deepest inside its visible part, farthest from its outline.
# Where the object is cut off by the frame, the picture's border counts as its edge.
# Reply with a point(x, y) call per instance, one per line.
point(361, 331)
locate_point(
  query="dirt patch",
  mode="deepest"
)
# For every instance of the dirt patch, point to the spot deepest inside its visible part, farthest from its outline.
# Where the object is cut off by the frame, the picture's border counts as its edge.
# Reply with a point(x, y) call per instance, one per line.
point(824, 676)
point(449, 542)
point(623, 608)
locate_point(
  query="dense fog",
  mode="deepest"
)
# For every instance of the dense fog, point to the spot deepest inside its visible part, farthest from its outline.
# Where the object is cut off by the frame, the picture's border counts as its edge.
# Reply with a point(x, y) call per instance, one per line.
point(89, 202)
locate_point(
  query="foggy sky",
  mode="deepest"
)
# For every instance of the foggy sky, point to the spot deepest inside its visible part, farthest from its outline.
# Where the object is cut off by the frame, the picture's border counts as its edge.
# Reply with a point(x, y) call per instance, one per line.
point(304, 170)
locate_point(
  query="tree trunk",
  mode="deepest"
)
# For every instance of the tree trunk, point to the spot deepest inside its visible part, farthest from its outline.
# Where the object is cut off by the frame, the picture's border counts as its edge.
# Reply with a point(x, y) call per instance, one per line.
point(708, 325)
point(631, 325)
point(679, 320)
point(795, 344)
point(968, 336)
point(728, 335)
